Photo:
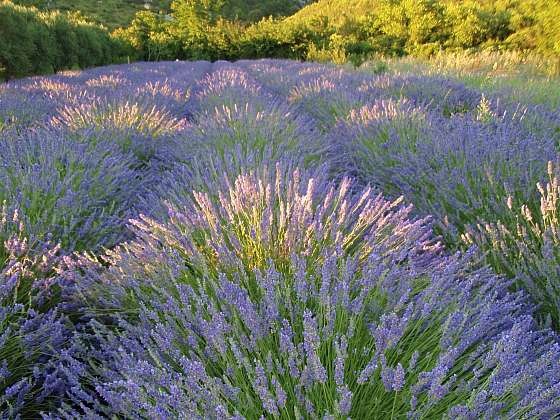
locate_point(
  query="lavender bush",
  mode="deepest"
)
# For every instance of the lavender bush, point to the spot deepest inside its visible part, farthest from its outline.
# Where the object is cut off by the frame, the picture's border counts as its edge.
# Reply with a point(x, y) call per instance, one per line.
point(77, 192)
point(524, 243)
point(458, 169)
point(325, 100)
point(380, 125)
point(252, 130)
point(141, 128)
point(20, 111)
point(229, 141)
point(465, 171)
point(442, 95)
point(276, 75)
point(144, 117)
point(228, 86)
point(33, 332)
point(291, 297)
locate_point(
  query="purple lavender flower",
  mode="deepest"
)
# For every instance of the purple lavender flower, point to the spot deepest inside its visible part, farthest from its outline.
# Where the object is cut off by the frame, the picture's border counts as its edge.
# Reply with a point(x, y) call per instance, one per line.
point(261, 387)
point(311, 344)
point(34, 331)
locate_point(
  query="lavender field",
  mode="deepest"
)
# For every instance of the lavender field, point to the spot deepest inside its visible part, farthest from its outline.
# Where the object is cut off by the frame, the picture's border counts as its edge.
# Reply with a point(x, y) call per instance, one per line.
point(276, 239)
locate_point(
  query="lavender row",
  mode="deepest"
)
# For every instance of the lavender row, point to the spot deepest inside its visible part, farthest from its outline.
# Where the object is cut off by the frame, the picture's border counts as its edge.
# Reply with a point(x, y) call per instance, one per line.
point(79, 152)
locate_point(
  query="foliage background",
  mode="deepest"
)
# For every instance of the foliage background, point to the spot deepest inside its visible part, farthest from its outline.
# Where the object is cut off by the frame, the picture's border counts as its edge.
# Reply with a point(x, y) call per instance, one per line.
point(343, 30)
point(35, 42)
point(40, 40)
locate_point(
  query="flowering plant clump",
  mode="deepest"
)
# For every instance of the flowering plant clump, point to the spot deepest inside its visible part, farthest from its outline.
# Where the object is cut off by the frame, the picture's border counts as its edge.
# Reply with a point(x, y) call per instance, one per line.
point(249, 129)
point(20, 111)
point(443, 95)
point(325, 100)
point(228, 86)
point(232, 140)
point(276, 75)
point(140, 127)
point(76, 192)
point(33, 330)
point(525, 244)
point(116, 115)
point(457, 169)
point(290, 297)
point(380, 125)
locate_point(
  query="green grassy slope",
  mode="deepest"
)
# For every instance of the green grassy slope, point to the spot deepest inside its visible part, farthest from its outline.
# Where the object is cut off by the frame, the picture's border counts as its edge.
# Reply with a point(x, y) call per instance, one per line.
point(110, 13)
point(335, 10)
point(119, 13)
point(254, 10)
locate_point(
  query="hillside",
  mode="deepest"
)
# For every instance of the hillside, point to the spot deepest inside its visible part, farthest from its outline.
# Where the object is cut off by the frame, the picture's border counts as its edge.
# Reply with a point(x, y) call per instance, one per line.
point(110, 13)
point(334, 10)
point(119, 13)
point(254, 10)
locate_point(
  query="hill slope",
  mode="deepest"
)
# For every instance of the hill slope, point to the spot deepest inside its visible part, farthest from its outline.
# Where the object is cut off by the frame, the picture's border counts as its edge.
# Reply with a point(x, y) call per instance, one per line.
point(335, 10)
point(110, 13)
point(119, 13)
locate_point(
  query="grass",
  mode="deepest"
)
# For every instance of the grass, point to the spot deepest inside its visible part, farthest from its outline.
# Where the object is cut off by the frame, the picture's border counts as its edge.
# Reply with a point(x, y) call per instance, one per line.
point(518, 77)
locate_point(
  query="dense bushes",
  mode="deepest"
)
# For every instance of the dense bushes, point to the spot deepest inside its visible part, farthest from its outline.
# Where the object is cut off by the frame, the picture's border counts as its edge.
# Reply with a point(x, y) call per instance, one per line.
point(427, 26)
point(32, 42)
point(320, 32)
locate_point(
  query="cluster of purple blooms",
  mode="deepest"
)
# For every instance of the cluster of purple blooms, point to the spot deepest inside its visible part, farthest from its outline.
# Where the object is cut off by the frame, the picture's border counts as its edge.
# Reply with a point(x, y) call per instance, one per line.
point(34, 331)
point(264, 239)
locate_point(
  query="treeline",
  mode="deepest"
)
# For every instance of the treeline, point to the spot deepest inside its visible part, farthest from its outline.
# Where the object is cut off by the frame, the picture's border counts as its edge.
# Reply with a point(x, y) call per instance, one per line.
point(34, 42)
point(342, 30)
